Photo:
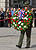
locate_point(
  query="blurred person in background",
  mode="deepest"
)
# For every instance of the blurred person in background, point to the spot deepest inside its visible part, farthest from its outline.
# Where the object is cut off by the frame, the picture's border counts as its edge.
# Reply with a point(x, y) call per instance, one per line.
point(6, 16)
point(2, 17)
point(12, 11)
point(32, 12)
point(0, 12)
point(9, 21)
point(7, 9)
point(2, 9)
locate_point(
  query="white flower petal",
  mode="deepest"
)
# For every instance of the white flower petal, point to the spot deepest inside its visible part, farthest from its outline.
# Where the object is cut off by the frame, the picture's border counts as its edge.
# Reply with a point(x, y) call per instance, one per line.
point(14, 18)
point(19, 22)
point(25, 12)
point(15, 25)
point(22, 17)
point(26, 18)
point(17, 17)
point(19, 26)
point(15, 14)
point(22, 24)
point(13, 22)
point(28, 11)
point(27, 15)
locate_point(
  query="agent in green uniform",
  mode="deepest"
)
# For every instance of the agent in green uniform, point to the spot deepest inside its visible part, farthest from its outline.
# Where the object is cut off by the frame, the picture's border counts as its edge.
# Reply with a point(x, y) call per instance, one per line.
point(28, 32)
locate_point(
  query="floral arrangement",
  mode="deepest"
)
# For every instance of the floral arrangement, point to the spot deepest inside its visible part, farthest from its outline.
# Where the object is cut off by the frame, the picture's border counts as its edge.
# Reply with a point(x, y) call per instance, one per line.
point(21, 19)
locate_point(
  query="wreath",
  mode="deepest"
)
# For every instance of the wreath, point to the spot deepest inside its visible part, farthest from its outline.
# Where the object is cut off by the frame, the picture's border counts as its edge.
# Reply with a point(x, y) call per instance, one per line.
point(21, 23)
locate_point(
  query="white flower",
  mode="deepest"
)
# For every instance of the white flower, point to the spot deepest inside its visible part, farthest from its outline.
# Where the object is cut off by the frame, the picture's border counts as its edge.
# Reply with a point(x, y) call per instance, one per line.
point(22, 17)
point(17, 17)
point(19, 22)
point(27, 15)
point(15, 14)
point(26, 18)
point(19, 26)
point(22, 24)
point(28, 11)
point(14, 18)
point(13, 22)
point(15, 25)
point(25, 12)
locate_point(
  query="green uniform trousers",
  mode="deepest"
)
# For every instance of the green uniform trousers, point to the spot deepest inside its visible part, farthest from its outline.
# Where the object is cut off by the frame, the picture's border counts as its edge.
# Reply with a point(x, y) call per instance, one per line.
point(28, 34)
